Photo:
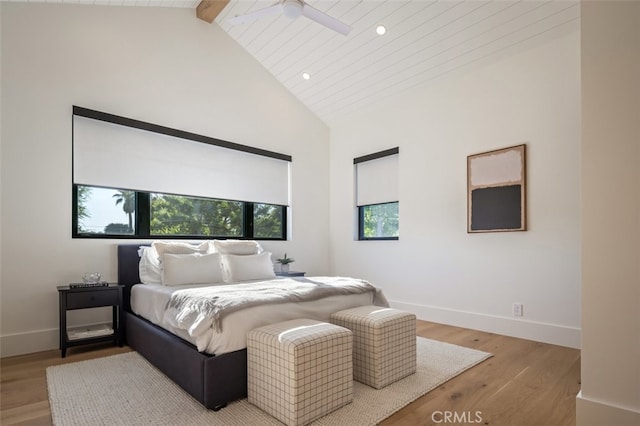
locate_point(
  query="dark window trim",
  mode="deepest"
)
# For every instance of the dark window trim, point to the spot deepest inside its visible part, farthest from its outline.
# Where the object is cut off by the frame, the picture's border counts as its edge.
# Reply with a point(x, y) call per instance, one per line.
point(143, 213)
point(156, 128)
point(143, 221)
point(74, 211)
point(247, 218)
point(361, 236)
point(380, 154)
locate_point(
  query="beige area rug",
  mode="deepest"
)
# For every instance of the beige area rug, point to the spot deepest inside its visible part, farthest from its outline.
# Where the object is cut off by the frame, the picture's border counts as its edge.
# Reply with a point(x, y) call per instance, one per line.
point(126, 390)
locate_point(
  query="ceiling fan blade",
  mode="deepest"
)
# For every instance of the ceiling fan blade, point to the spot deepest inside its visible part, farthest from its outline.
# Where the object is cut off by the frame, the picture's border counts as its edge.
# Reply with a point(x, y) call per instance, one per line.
point(256, 14)
point(324, 19)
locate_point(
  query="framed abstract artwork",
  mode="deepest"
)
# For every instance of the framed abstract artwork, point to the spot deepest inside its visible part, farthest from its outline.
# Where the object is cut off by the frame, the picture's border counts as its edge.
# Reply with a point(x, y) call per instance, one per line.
point(496, 190)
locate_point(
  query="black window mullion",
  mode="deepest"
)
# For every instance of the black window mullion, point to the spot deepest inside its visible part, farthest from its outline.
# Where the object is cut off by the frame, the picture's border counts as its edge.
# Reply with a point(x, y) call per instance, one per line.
point(143, 214)
point(247, 215)
point(284, 210)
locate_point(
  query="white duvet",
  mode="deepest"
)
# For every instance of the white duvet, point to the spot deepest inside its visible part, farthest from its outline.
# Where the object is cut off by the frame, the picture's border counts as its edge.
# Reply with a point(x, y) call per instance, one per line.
point(151, 301)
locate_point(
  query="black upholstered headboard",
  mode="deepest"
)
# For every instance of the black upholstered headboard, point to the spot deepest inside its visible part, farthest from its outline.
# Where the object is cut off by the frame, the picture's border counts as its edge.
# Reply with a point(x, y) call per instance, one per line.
point(128, 272)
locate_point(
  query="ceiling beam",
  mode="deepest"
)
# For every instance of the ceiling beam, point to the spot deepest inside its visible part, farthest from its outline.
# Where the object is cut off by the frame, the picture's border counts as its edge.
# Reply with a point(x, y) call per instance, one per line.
point(207, 10)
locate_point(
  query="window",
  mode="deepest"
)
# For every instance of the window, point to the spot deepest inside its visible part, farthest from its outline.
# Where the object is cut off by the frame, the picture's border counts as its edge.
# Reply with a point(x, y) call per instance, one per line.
point(378, 221)
point(177, 183)
point(105, 211)
point(267, 221)
point(377, 195)
point(116, 213)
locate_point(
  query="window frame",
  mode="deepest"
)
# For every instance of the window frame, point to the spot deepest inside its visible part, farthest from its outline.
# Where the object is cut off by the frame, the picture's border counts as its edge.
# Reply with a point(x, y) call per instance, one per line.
point(142, 226)
point(361, 236)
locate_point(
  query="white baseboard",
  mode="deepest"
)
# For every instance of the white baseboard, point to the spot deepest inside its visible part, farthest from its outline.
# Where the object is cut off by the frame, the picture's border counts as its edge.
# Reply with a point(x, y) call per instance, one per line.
point(43, 340)
point(34, 341)
point(514, 327)
point(590, 412)
point(29, 342)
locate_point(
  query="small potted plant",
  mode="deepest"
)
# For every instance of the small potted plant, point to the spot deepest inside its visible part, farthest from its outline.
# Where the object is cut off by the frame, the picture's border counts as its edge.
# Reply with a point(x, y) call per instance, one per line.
point(284, 262)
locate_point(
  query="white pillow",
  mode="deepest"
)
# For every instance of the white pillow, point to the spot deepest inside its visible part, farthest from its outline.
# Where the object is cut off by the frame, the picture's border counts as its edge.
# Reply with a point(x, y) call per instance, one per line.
point(248, 267)
point(149, 266)
point(237, 247)
point(175, 247)
point(196, 268)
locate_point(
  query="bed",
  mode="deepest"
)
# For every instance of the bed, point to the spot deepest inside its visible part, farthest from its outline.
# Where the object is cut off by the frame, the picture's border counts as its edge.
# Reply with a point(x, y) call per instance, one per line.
point(213, 380)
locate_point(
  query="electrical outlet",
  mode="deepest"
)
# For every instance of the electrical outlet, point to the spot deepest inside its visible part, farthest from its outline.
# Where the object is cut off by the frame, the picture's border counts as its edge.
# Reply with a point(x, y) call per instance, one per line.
point(518, 309)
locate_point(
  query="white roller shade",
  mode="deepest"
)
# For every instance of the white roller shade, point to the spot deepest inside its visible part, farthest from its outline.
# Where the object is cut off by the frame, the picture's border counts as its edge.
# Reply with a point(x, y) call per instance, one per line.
point(377, 181)
point(116, 156)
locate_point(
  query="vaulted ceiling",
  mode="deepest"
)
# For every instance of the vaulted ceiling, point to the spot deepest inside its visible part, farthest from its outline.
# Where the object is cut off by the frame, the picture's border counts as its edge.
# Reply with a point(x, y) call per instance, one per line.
point(425, 40)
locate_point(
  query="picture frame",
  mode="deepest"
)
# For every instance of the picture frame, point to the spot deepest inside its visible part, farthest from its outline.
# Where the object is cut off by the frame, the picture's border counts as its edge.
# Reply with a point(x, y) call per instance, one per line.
point(496, 190)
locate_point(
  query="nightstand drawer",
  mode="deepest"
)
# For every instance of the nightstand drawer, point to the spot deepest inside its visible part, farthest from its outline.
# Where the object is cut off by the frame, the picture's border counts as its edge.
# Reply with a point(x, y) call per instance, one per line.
point(92, 299)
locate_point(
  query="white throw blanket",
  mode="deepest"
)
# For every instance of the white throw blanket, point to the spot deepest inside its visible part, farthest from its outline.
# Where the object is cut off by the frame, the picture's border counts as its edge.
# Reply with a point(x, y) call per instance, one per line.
point(198, 310)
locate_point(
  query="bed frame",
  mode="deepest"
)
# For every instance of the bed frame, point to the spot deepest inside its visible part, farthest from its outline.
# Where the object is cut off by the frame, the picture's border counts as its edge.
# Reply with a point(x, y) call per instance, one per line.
point(212, 380)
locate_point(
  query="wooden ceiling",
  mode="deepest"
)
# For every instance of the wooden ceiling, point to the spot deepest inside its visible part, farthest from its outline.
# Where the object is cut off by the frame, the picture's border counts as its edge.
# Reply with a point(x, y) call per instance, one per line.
point(425, 41)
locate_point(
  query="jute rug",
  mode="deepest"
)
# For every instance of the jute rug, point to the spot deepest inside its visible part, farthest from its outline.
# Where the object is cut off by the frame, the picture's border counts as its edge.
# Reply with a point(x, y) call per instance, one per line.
point(126, 390)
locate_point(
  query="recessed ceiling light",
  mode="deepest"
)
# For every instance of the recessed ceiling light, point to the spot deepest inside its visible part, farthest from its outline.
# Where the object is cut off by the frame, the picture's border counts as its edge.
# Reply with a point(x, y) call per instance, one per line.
point(381, 29)
point(306, 75)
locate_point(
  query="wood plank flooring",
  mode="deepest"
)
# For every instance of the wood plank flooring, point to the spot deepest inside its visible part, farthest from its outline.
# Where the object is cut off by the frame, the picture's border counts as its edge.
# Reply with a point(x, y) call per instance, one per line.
point(525, 383)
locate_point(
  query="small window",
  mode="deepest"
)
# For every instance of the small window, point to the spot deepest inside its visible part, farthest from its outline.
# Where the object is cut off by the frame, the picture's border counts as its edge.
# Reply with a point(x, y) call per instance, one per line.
point(379, 221)
point(268, 221)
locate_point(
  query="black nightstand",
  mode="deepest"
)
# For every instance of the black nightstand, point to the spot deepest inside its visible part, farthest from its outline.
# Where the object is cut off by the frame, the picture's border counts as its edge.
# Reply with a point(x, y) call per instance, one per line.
point(90, 297)
point(290, 274)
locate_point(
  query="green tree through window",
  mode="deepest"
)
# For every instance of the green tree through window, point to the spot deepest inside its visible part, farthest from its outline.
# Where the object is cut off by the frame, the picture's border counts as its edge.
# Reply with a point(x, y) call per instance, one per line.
point(181, 215)
point(379, 221)
point(267, 221)
point(84, 194)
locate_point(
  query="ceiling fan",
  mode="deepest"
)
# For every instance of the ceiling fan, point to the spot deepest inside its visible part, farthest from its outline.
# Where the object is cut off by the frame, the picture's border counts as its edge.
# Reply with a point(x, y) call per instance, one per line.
point(292, 9)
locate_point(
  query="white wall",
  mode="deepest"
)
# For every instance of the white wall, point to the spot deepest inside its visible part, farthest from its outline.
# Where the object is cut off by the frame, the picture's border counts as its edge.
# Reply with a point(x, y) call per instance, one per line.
point(610, 214)
point(436, 269)
point(159, 65)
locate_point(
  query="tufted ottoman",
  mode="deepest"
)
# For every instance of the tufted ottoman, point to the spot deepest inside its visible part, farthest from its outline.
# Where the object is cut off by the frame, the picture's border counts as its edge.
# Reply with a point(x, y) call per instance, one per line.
point(300, 370)
point(384, 343)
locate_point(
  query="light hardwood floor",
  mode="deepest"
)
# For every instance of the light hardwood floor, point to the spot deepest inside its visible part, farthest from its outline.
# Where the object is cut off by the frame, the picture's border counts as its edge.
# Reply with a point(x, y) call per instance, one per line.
point(524, 383)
